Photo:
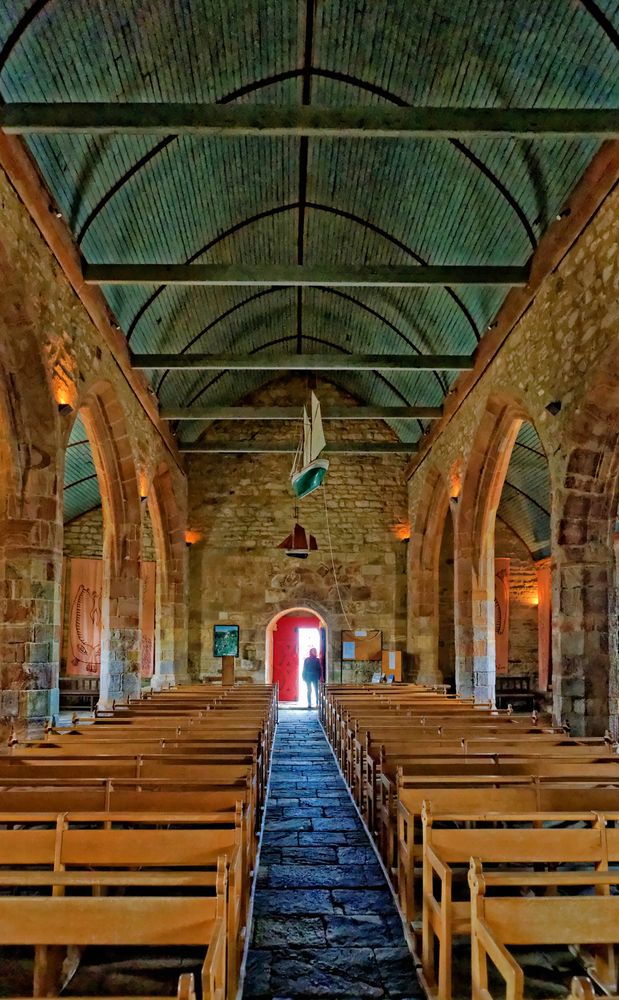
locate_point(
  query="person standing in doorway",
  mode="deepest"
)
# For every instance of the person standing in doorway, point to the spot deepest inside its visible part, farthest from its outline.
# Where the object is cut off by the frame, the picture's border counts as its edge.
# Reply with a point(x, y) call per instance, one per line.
point(312, 673)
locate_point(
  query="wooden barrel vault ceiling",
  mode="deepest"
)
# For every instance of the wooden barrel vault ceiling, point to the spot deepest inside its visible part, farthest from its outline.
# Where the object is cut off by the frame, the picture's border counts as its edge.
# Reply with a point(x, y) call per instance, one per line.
point(291, 154)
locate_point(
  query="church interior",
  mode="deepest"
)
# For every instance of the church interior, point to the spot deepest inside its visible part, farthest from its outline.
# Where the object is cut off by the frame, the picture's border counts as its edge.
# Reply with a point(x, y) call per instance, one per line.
point(309, 499)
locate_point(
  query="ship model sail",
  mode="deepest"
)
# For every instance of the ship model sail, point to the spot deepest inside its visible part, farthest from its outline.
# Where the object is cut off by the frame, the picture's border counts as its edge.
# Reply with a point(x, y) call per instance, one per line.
point(309, 470)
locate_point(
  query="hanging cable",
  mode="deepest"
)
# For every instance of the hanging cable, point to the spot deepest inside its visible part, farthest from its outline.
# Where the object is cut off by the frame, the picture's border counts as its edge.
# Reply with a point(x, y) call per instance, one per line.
point(337, 585)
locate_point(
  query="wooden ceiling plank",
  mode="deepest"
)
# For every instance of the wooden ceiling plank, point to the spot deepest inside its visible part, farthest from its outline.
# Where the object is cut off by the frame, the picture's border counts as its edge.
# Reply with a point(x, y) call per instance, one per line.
point(326, 275)
point(377, 122)
point(304, 362)
point(295, 413)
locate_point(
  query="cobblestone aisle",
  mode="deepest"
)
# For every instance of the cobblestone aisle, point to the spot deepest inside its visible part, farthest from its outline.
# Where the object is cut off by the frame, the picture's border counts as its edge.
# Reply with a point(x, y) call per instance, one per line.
point(325, 924)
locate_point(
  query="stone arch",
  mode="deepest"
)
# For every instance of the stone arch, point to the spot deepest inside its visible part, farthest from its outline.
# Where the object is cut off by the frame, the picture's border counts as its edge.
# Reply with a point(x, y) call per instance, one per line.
point(120, 499)
point(308, 606)
point(427, 528)
point(171, 618)
point(586, 681)
point(474, 521)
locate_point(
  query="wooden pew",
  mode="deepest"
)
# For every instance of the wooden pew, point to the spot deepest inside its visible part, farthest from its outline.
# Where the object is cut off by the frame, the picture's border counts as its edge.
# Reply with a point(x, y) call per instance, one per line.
point(479, 795)
point(186, 990)
point(538, 921)
point(139, 841)
point(536, 763)
point(58, 921)
point(496, 838)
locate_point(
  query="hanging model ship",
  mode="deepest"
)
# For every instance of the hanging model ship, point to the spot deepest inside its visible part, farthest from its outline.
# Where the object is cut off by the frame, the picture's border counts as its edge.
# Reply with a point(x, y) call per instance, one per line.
point(308, 469)
point(299, 543)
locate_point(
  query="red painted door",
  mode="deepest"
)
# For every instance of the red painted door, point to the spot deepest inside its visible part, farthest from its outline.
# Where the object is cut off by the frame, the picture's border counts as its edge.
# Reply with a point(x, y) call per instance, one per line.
point(286, 654)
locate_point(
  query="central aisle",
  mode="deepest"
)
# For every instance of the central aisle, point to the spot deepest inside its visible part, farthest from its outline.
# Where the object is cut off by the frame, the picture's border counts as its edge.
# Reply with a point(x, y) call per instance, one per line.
point(325, 924)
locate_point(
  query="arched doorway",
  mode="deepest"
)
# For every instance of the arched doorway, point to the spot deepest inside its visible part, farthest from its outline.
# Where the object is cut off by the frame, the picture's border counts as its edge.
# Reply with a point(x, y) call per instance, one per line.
point(289, 636)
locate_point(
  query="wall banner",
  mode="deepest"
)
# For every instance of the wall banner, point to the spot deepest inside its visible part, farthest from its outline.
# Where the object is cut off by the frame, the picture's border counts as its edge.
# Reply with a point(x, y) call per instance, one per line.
point(147, 618)
point(501, 614)
point(544, 615)
point(85, 586)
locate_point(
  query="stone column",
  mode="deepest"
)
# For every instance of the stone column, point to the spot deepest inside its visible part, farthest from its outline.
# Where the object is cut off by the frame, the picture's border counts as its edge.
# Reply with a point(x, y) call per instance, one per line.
point(30, 617)
point(120, 611)
point(463, 613)
point(581, 656)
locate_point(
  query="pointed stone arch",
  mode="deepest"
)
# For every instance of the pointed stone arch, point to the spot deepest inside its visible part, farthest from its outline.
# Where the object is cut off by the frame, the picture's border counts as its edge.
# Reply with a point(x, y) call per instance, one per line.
point(474, 518)
point(30, 510)
point(120, 499)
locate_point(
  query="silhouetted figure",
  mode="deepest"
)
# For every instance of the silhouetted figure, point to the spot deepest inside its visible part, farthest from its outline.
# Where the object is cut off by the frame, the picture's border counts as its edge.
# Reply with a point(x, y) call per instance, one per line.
point(312, 673)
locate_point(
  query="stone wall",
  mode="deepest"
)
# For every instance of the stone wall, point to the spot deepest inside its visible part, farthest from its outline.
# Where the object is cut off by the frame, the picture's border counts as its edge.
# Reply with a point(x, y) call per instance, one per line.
point(83, 536)
point(51, 352)
point(242, 507)
point(563, 348)
point(522, 649)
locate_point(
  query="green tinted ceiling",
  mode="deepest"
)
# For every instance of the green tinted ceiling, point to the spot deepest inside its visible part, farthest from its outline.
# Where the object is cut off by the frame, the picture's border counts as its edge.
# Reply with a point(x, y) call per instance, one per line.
point(283, 200)
point(81, 486)
point(525, 500)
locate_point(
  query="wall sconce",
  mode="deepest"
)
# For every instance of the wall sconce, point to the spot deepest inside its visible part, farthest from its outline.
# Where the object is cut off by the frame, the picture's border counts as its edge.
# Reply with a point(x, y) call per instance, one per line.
point(454, 501)
point(402, 531)
point(554, 407)
point(64, 409)
point(191, 537)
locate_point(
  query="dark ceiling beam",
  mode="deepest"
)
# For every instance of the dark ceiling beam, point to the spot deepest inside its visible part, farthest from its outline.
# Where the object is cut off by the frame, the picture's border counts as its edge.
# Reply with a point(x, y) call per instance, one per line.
point(380, 122)
point(304, 362)
point(328, 275)
point(295, 413)
point(290, 447)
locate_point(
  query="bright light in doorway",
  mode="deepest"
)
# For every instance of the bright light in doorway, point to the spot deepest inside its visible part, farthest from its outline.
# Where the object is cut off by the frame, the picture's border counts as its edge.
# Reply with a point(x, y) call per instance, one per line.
point(309, 638)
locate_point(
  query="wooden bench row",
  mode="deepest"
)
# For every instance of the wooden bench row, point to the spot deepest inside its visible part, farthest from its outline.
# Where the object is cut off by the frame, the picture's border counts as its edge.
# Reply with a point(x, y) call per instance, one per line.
point(496, 787)
point(153, 811)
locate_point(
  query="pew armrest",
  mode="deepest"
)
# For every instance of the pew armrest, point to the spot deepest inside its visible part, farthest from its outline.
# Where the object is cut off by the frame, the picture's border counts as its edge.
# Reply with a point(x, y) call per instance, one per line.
point(487, 946)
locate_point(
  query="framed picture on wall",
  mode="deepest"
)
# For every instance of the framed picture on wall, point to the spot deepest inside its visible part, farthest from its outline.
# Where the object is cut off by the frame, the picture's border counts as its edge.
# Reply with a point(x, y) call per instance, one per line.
point(225, 640)
point(362, 644)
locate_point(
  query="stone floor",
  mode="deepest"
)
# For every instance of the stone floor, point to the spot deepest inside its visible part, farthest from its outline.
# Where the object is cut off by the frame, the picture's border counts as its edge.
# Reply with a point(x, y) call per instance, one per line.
point(325, 924)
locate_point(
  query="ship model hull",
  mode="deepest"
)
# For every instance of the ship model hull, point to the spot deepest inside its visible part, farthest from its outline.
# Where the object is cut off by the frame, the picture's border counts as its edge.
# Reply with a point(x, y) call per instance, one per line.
point(309, 478)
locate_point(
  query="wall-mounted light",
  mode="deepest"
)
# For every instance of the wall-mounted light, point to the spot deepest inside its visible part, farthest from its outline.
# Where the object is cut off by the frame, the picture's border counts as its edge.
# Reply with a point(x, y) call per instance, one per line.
point(554, 407)
point(191, 537)
point(563, 214)
point(402, 531)
point(454, 501)
point(64, 409)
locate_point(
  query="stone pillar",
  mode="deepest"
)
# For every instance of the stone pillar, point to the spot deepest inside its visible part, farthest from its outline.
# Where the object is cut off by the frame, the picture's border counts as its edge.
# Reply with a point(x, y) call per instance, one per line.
point(30, 577)
point(120, 612)
point(583, 598)
point(581, 655)
point(423, 616)
point(463, 613)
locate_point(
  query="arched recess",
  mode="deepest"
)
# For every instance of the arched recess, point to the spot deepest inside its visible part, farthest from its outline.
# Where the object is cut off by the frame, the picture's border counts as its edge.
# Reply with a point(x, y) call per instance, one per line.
point(523, 565)
point(308, 609)
point(427, 528)
point(474, 523)
point(171, 557)
point(113, 458)
point(586, 671)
